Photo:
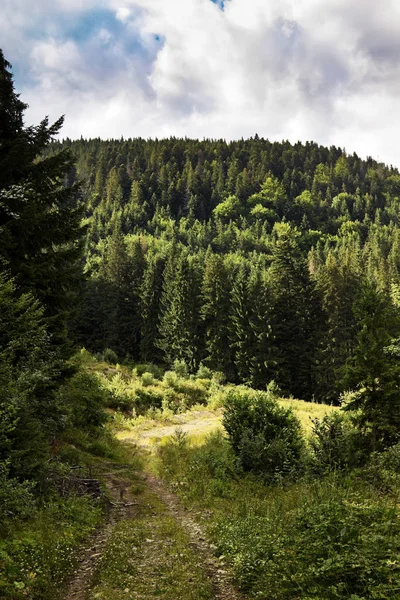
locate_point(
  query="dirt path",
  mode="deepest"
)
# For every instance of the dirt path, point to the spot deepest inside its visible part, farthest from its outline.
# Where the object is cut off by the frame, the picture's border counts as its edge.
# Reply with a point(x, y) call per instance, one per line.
point(128, 508)
point(220, 578)
point(122, 505)
point(200, 423)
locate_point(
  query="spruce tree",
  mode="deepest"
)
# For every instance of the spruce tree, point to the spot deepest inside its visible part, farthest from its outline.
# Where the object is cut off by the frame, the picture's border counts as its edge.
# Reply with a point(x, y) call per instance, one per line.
point(215, 313)
point(241, 334)
point(373, 371)
point(150, 294)
point(179, 326)
point(293, 303)
point(40, 218)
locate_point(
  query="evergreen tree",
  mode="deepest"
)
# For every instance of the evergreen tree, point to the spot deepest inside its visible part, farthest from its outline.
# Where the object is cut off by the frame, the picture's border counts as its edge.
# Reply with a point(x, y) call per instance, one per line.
point(179, 331)
point(372, 371)
point(294, 327)
point(150, 301)
point(40, 218)
point(241, 334)
point(215, 312)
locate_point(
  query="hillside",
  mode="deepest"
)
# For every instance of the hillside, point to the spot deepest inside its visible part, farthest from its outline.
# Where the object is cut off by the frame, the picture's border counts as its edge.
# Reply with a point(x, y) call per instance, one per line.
point(246, 256)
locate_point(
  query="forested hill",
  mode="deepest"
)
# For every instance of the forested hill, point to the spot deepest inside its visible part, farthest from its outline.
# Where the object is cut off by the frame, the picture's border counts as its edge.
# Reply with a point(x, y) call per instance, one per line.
point(260, 260)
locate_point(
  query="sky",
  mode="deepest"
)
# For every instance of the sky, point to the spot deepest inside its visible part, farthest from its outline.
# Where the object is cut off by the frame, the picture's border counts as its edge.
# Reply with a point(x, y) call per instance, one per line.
point(326, 71)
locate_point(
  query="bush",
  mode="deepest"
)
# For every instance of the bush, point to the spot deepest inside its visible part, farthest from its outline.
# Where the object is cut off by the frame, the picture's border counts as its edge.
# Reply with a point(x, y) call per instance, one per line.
point(171, 379)
point(147, 379)
point(155, 370)
point(203, 372)
point(180, 368)
point(110, 356)
point(383, 470)
point(333, 548)
point(194, 392)
point(219, 378)
point(86, 399)
point(266, 438)
point(145, 399)
point(335, 444)
point(16, 499)
point(199, 472)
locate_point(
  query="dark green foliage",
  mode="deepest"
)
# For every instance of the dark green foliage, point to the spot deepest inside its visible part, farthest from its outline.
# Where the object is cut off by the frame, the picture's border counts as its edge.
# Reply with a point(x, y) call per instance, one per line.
point(294, 314)
point(372, 372)
point(40, 216)
point(179, 327)
point(85, 399)
point(29, 412)
point(215, 311)
point(265, 437)
point(336, 444)
point(246, 256)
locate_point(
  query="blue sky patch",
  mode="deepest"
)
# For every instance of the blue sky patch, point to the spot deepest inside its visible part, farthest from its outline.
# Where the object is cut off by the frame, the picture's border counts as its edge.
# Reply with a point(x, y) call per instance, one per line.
point(220, 3)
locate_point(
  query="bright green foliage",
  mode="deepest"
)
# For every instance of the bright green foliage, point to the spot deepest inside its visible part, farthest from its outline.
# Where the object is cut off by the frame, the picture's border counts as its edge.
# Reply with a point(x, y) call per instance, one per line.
point(265, 437)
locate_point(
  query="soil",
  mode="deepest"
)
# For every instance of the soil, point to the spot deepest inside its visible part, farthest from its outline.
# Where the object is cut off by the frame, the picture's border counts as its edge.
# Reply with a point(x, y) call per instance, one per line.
point(122, 505)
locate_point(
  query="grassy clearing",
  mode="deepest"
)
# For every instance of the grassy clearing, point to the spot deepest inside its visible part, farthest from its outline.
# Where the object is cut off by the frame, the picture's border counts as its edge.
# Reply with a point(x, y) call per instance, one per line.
point(148, 557)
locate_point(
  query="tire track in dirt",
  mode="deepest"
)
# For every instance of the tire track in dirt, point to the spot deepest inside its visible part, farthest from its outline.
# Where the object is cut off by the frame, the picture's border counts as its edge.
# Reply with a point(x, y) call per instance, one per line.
point(122, 505)
point(220, 578)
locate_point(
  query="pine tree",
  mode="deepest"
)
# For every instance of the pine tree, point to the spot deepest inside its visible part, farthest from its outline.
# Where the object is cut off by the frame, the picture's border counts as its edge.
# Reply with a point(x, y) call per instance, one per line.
point(294, 324)
point(40, 218)
point(241, 334)
point(215, 313)
point(262, 362)
point(373, 371)
point(338, 284)
point(150, 293)
point(179, 330)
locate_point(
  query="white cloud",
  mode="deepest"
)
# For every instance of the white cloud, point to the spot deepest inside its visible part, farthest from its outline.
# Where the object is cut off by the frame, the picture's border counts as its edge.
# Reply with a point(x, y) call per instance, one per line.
point(327, 71)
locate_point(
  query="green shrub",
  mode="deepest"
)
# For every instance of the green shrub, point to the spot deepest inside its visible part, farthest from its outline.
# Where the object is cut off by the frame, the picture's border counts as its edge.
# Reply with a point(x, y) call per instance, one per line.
point(335, 444)
point(85, 398)
point(181, 368)
point(193, 392)
point(147, 379)
point(218, 377)
point(266, 437)
point(383, 470)
point(273, 389)
point(36, 558)
point(170, 379)
point(147, 398)
point(155, 370)
point(110, 356)
point(199, 472)
point(336, 548)
point(16, 499)
point(203, 372)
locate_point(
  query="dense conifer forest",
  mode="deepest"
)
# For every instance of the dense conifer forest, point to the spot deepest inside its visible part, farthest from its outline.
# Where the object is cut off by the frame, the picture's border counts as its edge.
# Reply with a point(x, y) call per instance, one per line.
point(248, 257)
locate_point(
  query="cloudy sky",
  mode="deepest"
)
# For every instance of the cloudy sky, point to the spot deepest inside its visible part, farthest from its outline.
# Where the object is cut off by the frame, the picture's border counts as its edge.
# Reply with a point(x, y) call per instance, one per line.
point(327, 71)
